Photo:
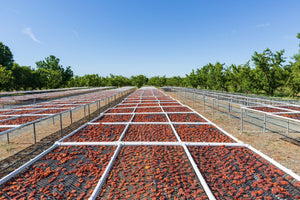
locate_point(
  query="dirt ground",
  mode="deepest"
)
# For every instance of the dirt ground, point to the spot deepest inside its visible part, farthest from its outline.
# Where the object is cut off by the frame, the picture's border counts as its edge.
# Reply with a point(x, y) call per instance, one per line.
point(278, 147)
point(21, 148)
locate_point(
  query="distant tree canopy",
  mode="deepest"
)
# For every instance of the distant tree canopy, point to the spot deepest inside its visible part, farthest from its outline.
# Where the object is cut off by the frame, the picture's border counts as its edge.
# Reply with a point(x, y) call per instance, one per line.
point(265, 73)
point(49, 73)
point(52, 74)
point(6, 57)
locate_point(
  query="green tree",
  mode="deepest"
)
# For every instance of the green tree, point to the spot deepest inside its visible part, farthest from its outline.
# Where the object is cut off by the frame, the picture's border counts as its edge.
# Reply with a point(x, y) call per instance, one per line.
point(139, 80)
point(293, 81)
point(174, 81)
point(269, 65)
point(52, 74)
point(23, 77)
point(6, 79)
point(6, 57)
point(117, 80)
point(193, 79)
point(233, 74)
point(157, 81)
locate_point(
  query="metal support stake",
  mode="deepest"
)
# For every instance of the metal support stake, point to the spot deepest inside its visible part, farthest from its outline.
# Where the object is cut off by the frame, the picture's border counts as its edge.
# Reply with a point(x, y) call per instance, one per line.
point(84, 110)
point(7, 135)
point(180, 93)
point(229, 110)
point(61, 130)
point(218, 104)
point(288, 126)
point(53, 120)
point(194, 99)
point(213, 105)
point(203, 102)
point(99, 107)
point(265, 118)
point(71, 117)
point(241, 120)
point(89, 112)
point(34, 133)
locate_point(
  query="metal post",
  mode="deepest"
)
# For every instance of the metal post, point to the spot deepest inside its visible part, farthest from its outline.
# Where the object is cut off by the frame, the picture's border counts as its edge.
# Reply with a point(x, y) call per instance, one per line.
point(99, 107)
point(84, 110)
point(265, 118)
point(7, 135)
point(194, 98)
point(288, 126)
point(71, 117)
point(61, 130)
point(34, 133)
point(229, 110)
point(53, 120)
point(203, 102)
point(218, 104)
point(213, 105)
point(89, 112)
point(241, 120)
point(180, 95)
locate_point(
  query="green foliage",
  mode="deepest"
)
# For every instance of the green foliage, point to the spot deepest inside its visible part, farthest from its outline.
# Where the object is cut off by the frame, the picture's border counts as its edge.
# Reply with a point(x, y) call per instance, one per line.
point(174, 81)
point(157, 81)
point(293, 81)
point(139, 80)
point(23, 77)
point(6, 57)
point(52, 74)
point(6, 79)
point(270, 68)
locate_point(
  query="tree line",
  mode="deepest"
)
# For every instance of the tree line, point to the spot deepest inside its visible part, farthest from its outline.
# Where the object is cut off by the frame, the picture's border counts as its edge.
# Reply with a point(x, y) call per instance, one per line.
point(265, 73)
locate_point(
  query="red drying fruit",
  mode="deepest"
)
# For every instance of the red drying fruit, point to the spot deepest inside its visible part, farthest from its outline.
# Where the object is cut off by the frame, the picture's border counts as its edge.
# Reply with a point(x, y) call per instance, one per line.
point(115, 118)
point(121, 110)
point(177, 109)
point(268, 109)
point(201, 133)
point(158, 167)
point(185, 117)
point(20, 120)
point(150, 118)
point(225, 167)
point(29, 184)
point(291, 115)
point(148, 109)
point(149, 132)
point(52, 111)
point(97, 133)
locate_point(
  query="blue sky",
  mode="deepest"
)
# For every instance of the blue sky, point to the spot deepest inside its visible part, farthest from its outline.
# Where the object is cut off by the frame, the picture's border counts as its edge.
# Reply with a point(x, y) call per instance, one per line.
point(150, 37)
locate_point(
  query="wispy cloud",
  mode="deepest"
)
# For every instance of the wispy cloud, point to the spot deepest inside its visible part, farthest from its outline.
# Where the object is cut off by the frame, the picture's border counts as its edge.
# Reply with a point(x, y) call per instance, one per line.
point(76, 33)
point(263, 25)
point(29, 32)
